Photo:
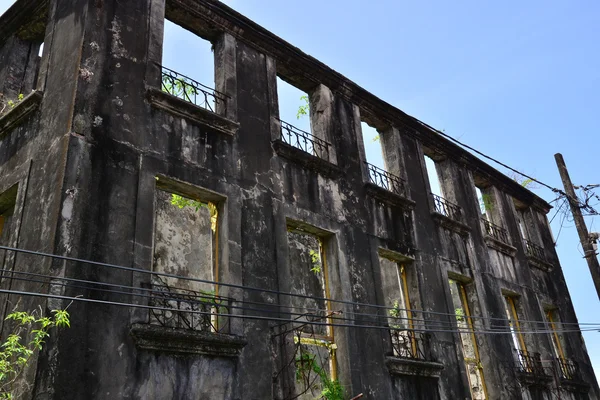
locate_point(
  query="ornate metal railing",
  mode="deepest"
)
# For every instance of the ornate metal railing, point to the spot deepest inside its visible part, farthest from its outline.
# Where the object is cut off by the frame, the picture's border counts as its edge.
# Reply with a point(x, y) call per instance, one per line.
point(530, 363)
point(304, 141)
point(409, 344)
point(447, 208)
point(187, 309)
point(495, 231)
point(386, 180)
point(568, 369)
point(534, 250)
point(188, 89)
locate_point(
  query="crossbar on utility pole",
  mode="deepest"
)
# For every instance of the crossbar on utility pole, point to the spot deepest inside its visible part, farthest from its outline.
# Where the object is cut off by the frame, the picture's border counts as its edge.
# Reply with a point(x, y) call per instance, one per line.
point(584, 237)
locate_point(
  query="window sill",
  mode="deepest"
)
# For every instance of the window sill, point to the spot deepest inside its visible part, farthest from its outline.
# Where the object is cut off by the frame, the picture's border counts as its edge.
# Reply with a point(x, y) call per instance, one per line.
point(191, 112)
point(13, 117)
point(500, 246)
point(184, 341)
point(539, 264)
point(575, 385)
point(535, 379)
point(451, 224)
point(406, 366)
point(388, 197)
point(305, 159)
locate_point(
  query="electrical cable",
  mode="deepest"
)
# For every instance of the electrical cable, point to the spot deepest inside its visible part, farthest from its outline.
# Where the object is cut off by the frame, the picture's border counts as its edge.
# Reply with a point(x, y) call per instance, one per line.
point(370, 316)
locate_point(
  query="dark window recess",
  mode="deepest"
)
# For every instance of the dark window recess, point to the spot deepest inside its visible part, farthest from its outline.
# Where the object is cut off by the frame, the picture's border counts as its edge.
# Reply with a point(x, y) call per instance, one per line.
point(533, 250)
point(190, 90)
point(530, 363)
point(568, 369)
point(495, 231)
point(446, 208)
point(304, 141)
point(386, 180)
point(409, 344)
point(187, 309)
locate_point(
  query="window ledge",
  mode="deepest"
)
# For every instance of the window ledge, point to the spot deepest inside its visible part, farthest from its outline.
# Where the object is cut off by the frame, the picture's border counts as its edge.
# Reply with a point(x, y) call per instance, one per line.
point(305, 159)
point(535, 379)
point(451, 224)
point(388, 197)
point(184, 341)
point(406, 366)
point(14, 116)
point(189, 111)
point(575, 385)
point(539, 264)
point(500, 246)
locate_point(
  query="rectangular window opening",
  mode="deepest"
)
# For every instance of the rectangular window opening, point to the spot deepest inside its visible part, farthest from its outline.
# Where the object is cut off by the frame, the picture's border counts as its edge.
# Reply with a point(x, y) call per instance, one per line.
point(314, 344)
point(402, 319)
point(8, 201)
point(296, 121)
point(186, 244)
point(527, 362)
point(188, 68)
point(468, 339)
point(434, 181)
point(375, 159)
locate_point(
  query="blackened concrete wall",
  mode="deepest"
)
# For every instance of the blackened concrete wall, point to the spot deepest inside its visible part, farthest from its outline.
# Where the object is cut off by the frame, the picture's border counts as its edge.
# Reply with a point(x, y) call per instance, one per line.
point(91, 147)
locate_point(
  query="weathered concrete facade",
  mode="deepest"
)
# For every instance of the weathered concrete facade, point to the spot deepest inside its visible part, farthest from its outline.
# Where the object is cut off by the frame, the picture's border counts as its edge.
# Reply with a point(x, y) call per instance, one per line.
point(89, 158)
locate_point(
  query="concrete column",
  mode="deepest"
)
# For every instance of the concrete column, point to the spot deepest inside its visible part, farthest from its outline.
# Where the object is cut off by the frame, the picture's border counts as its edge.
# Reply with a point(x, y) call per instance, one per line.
point(391, 146)
point(156, 28)
point(321, 117)
point(226, 75)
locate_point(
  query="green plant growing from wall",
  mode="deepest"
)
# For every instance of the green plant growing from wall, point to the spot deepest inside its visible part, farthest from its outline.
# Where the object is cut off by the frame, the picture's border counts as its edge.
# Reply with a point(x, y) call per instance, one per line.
point(315, 260)
point(396, 313)
point(460, 314)
point(182, 202)
point(12, 103)
point(304, 108)
point(306, 363)
point(27, 336)
point(179, 87)
point(487, 202)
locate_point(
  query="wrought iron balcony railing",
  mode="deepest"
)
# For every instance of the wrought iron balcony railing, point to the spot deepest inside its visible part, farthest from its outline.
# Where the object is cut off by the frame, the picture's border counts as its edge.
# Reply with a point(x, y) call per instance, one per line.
point(304, 141)
point(409, 344)
point(495, 231)
point(534, 250)
point(446, 208)
point(187, 309)
point(568, 369)
point(188, 89)
point(386, 180)
point(530, 363)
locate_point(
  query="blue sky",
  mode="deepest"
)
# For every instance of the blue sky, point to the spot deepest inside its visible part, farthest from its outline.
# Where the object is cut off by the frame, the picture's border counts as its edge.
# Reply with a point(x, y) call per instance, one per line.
point(517, 80)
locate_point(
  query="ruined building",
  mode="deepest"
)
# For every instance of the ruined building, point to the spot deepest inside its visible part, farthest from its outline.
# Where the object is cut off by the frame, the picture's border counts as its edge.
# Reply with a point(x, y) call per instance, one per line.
point(238, 257)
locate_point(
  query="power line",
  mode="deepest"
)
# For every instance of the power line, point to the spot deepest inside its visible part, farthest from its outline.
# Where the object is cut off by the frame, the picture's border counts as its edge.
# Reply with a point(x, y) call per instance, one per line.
point(258, 317)
point(425, 321)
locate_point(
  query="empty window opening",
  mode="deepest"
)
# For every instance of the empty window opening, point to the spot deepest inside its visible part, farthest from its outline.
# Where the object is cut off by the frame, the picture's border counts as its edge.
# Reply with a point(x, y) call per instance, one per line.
point(377, 168)
point(470, 349)
point(296, 122)
point(402, 320)
point(186, 236)
point(434, 181)
point(521, 221)
point(8, 201)
point(314, 345)
point(527, 362)
point(372, 143)
point(553, 320)
point(484, 202)
point(188, 68)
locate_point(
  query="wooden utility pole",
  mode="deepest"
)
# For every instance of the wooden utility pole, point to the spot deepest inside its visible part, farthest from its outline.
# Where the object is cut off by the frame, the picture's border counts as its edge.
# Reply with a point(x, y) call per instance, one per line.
point(586, 243)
